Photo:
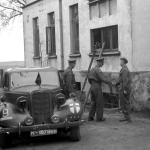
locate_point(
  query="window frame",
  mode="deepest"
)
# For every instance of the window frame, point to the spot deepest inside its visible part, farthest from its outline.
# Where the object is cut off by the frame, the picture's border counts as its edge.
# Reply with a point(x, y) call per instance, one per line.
point(99, 2)
point(51, 51)
point(36, 37)
point(73, 50)
point(110, 28)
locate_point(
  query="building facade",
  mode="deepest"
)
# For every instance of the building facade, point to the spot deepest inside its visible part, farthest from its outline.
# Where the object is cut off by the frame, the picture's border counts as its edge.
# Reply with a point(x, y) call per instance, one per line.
point(56, 30)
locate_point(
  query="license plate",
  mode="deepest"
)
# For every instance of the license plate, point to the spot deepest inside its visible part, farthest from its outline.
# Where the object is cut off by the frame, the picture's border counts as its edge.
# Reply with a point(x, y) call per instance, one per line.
point(43, 132)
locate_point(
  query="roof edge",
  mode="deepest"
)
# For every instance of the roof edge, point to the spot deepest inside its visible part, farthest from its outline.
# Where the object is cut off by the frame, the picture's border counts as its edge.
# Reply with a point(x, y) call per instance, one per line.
point(32, 3)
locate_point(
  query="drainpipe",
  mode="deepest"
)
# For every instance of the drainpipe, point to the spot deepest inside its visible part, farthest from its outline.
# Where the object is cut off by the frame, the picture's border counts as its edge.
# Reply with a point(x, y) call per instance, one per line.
point(131, 21)
point(61, 35)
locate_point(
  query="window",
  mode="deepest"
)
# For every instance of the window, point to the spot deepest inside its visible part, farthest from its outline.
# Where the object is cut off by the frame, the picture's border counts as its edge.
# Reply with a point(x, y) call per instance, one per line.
point(74, 29)
point(94, 10)
point(36, 38)
point(112, 7)
point(50, 35)
point(100, 8)
point(109, 35)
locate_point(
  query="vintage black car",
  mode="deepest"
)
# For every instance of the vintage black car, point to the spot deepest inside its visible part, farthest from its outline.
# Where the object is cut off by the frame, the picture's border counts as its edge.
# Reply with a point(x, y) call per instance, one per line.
point(33, 103)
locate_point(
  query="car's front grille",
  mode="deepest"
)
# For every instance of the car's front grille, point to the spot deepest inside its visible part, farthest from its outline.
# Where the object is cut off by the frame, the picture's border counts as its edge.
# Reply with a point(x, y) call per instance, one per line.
point(41, 107)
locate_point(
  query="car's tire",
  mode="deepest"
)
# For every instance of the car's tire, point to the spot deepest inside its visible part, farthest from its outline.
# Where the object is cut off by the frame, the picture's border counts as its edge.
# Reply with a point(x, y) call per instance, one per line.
point(75, 134)
point(5, 140)
point(60, 133)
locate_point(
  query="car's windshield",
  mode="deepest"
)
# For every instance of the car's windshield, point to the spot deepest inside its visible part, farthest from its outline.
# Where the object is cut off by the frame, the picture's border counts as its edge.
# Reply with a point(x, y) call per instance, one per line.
point(43, 78)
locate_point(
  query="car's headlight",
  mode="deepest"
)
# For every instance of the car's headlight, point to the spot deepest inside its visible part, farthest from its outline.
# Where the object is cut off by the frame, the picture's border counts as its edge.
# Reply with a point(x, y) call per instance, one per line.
point(21, 102)
point(74, 107)
point(28, 121)
point(55, 119)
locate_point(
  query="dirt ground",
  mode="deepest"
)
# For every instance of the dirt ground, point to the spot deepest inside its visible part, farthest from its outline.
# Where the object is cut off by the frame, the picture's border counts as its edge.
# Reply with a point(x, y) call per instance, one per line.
point(109, 135)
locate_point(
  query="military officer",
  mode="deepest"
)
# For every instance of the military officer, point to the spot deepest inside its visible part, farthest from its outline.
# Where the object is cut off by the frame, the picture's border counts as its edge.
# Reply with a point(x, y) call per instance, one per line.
point(96, 77)
point(69, 78)
point(124, 84)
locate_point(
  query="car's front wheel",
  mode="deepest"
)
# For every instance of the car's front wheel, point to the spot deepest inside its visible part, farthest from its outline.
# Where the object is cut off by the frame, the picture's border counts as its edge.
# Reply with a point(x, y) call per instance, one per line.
point(75, 133)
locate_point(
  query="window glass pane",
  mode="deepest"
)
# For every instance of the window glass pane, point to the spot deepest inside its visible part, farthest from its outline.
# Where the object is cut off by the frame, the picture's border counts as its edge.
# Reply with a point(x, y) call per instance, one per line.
point(109, 35)
point(112, 7)
point(106, 37)
point(115, 37)
point(51, 47)
point(50, 34)
point(103, 8)
point(74, 29)
point(97, 38)
point(51, 19)
point(36, 39)
point(94, 10)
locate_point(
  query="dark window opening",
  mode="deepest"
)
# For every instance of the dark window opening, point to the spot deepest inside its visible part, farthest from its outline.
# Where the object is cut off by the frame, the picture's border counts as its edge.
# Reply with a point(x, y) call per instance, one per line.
point(50, 35)
point(107, 35)
point(36, 37)
point(74, 29)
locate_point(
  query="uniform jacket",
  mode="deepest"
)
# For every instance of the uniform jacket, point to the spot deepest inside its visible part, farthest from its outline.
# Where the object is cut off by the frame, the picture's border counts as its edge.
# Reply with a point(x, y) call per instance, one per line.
point(124, 79)
point(97, 75)
point(69, 80)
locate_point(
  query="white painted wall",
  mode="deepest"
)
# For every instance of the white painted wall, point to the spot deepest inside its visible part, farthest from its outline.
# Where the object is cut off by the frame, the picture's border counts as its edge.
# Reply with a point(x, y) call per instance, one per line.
point(122, 19)
point(141, 34)
point(40, 9)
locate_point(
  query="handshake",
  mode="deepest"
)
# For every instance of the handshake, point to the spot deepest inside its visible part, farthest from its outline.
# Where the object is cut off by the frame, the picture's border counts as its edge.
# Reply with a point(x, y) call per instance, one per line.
point(113, 83)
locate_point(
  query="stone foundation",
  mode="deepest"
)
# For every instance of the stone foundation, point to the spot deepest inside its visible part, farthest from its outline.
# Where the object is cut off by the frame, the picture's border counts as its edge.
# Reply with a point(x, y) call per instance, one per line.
point(140, 94)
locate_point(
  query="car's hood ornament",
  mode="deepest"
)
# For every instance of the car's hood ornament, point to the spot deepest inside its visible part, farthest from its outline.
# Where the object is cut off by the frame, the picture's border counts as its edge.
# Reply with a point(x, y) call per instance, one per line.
point(38, 80)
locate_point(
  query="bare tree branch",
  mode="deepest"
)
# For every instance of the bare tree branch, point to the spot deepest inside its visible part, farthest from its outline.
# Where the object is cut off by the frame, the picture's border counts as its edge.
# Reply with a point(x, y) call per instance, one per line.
point(10, 9)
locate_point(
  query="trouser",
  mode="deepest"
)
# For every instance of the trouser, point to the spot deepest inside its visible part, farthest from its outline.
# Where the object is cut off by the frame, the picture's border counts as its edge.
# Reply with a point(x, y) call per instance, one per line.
point(125, 104)
point(97, 102)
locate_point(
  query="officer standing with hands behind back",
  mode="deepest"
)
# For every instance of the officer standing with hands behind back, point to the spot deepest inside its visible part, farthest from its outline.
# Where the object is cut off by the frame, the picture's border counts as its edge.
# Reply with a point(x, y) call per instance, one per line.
point(96, 77)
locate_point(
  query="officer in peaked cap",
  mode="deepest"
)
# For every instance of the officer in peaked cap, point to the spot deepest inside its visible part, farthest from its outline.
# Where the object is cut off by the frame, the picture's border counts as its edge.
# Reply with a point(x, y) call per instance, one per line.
point(73, 61)
point(124, 84)
point(69, 78)
point(101, 59)
point(124, 59)
point(96, 77)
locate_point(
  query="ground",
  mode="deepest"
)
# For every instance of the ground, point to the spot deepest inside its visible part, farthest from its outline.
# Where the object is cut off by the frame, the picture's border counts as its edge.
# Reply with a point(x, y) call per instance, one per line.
point(109, 135)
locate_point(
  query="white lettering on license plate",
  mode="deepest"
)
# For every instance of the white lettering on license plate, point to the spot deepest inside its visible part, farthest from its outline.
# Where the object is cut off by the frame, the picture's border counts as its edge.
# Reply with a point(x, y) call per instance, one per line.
point(43, 132)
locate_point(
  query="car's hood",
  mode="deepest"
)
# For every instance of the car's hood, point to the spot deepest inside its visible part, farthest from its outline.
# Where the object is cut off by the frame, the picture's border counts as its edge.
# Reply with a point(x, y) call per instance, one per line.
point(31, 88)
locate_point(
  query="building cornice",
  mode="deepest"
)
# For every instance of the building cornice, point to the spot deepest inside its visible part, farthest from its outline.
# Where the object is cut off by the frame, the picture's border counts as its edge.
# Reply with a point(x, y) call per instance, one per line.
point(32, 3)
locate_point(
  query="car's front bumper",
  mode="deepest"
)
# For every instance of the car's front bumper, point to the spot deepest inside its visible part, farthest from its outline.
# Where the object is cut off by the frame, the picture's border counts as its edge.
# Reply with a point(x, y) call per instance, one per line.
point(19, 129)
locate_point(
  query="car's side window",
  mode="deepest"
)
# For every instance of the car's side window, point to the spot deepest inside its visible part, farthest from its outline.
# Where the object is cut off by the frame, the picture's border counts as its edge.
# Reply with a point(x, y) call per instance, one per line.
point(6, 80)
point(1, 78)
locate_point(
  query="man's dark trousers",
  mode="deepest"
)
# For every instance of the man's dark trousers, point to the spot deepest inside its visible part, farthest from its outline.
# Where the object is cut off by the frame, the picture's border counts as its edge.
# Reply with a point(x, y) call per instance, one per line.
point(125, 104)
point(97, 102)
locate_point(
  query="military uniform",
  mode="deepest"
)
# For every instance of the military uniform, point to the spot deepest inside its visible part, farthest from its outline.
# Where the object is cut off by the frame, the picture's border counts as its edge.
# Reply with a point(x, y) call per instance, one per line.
point(124, 83)
point(69, 81)
point(96, 77)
